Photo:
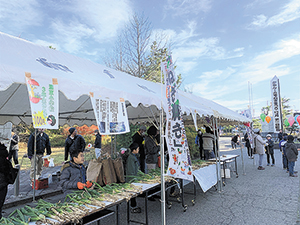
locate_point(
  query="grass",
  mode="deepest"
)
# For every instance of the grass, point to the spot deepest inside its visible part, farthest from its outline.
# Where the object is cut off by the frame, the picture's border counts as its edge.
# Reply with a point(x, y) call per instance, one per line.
point(58, 153)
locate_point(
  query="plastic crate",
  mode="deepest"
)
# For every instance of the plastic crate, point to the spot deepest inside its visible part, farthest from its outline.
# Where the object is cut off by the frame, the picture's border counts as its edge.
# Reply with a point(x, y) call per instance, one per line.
point(41, 184)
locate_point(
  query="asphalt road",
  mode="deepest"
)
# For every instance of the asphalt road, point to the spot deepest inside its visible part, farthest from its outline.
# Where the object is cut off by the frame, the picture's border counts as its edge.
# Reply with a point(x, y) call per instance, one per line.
point(255, 197)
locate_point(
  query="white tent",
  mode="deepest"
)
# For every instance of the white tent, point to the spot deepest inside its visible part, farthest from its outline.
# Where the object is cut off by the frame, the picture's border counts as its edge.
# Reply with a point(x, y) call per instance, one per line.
point(76, 78)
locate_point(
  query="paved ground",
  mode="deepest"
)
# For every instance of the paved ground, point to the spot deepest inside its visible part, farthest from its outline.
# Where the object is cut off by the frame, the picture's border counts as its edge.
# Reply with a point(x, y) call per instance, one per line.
point(257, 197)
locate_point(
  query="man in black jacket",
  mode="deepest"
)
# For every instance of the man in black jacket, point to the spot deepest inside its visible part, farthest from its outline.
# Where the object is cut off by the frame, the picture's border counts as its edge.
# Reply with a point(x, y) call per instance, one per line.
point(42, 143)
point(138, 138)
point(74, 139)
point(4, 168)
point(97, 144)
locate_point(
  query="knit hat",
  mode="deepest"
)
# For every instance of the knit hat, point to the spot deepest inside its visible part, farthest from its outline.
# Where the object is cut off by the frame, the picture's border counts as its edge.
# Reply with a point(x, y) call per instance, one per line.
point(290, 138)
point(71, 130)
point(269, 135)
point(152, 130)
point(143, 128)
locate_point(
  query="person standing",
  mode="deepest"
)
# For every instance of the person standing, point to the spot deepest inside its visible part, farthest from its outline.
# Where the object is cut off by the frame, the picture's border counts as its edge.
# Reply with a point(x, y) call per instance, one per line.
point(151, 148)
point(280, 135)
point(234, 141)
point(199, 143)
point(270, 150)
point(4, 168)
point(282, 149)
point(73, 173)
point(248, 146)
point(74, 139)
point(138, 138)
point(14, 148)
point(97, 144)
point(208, 144)
point(42, 143)
point(259, 146)
point(291, 154)
point(132, 168)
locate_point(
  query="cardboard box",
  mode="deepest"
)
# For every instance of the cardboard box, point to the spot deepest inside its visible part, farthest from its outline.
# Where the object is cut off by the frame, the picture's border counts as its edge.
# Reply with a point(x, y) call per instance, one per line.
point(41, 184)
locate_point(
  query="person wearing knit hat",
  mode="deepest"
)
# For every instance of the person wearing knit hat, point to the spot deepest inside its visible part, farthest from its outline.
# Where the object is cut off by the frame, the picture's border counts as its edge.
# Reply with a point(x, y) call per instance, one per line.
point(291, 154)
point(4, 168)
point(74, 141)
point(269, 148)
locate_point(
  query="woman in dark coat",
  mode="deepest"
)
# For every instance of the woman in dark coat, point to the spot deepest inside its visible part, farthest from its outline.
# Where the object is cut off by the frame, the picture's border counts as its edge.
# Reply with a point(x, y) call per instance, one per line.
point(151, 148)
point(248, 146)
point(5, 166)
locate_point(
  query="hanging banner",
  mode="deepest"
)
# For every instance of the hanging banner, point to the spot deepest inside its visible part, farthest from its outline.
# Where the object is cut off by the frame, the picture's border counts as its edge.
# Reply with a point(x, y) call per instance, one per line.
point(111, 115)
point(180, 160)
point(276, 104)
point(194, 115)
point(43, 97)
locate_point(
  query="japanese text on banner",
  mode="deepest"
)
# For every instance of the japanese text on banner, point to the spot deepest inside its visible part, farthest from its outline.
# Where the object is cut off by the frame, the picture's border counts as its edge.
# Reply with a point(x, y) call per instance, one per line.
point(111, 115)
point(180, 160)
point(43, 97)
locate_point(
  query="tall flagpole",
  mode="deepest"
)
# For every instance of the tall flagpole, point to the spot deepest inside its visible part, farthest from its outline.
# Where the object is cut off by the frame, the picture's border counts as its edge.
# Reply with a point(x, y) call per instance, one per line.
point(162, 156)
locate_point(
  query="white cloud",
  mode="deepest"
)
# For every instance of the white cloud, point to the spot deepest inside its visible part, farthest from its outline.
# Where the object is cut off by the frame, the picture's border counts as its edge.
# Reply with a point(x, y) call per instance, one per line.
point(184, 7)
point(290, 12)
point(262, 67)
point(19, 15)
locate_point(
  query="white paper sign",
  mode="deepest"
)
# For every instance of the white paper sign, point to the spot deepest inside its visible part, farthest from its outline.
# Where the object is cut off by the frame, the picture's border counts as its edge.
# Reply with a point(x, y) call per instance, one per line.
point(43, 97)
point(111, 115)
point(276, 104)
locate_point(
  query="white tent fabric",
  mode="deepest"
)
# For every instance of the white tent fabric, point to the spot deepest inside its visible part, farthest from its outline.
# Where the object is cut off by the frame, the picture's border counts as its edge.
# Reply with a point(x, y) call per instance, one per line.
point(78, 77)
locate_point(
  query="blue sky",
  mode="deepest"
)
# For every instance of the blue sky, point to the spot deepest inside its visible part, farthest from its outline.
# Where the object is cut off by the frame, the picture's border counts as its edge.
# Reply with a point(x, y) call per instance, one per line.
point(219, 46)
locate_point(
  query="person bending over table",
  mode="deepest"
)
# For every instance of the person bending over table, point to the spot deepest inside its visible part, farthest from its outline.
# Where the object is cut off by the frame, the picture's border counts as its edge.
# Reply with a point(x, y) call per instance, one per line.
point(73, 175)
point(132, 168)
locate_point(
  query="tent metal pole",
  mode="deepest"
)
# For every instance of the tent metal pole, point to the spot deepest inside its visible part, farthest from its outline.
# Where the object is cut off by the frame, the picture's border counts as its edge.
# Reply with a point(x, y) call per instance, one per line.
point(242, 156)
point(34, 170)
point(217, 156)
point(162, 155)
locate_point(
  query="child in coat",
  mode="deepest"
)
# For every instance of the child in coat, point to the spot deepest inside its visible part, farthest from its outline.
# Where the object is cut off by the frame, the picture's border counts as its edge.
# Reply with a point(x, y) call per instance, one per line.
point(291, 154)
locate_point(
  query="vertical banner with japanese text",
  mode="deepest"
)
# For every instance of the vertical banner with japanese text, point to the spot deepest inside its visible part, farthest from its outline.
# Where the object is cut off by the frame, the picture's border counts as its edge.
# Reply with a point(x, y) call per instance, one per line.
point(276, 104)
point(43, 97)
point(110, 114)
point(179, 155)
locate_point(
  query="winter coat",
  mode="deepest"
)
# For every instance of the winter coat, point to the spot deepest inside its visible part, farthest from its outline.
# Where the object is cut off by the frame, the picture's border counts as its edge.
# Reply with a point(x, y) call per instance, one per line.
point(208, 141)
point(14, 143)
point(4, 168)
point(137, 138)
point(247, 144)
point(151, 150)
point(97, 143)
point(199, 141)
point(234, 139)
point(282, 146)
point(71, 174)
point(259, 144)
point(132, 167)
point(42, 143)
point(270, 147)
point(291, 151)
point(79, 144)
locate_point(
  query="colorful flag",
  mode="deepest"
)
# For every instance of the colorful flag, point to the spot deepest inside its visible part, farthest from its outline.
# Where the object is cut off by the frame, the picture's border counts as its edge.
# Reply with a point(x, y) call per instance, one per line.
point(43, 97)
point(179, 155)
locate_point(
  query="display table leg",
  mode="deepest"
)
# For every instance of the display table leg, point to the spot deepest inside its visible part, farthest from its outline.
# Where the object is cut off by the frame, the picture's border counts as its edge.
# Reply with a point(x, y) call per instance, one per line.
point(128, 212)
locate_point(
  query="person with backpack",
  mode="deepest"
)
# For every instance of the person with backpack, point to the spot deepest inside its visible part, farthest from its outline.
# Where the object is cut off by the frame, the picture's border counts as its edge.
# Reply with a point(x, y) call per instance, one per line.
point(74, 139)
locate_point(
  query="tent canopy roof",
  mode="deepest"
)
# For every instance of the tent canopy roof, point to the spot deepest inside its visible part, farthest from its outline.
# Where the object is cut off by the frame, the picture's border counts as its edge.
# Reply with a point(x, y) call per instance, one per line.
point(78, 77)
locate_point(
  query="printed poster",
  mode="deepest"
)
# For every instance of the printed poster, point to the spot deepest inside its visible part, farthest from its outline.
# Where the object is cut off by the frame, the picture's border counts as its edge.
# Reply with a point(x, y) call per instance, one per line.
point(110, 114)
point(43, 97)
point(180, 160)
